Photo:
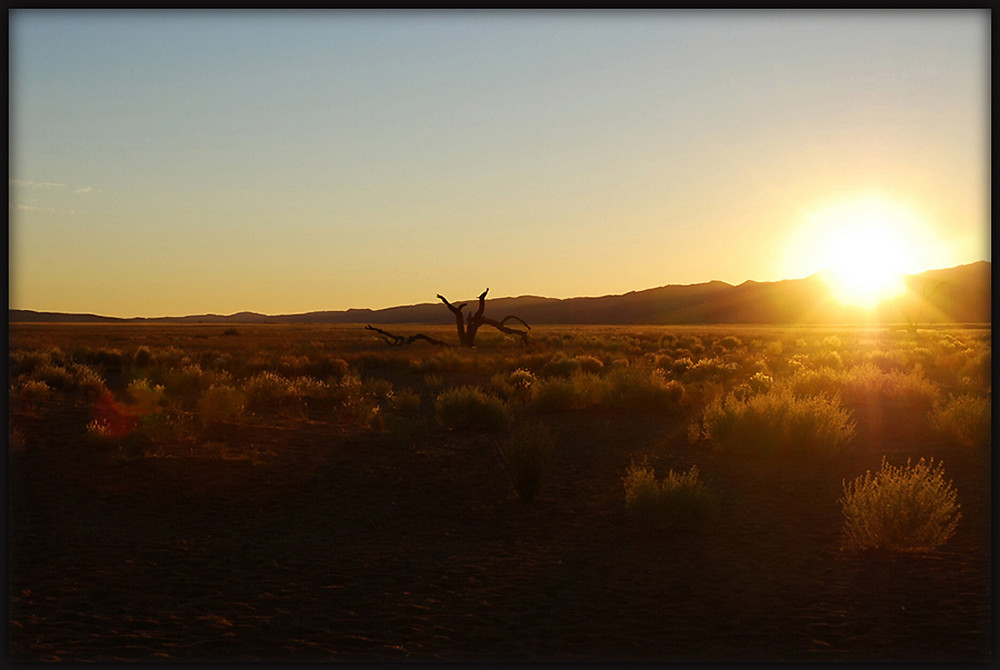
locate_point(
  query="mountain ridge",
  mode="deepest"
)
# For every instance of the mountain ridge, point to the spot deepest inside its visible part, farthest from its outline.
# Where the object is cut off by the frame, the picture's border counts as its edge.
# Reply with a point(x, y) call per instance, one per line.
point(960, 294)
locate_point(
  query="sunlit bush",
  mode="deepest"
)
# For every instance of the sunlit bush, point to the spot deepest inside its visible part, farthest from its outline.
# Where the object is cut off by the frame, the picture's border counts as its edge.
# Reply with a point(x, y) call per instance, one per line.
point(145, 397)
point(528, 454)
point(867, 382)
point(266, 386)
point(779, 422)
point(679, 500)
point(964, 420)
point(86, 381)
point(708, 369)
point(469, 408)
point(909, 508)
point(589, 363)
point(100, 431)
point(514, 385)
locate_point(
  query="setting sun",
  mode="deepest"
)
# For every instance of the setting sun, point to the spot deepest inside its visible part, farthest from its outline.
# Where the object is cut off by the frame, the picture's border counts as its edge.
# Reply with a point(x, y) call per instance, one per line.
point(864, 246)
point(865, 265)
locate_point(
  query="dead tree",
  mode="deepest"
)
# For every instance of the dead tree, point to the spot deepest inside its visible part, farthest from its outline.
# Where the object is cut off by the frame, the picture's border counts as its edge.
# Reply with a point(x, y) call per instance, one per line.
point(468, 326)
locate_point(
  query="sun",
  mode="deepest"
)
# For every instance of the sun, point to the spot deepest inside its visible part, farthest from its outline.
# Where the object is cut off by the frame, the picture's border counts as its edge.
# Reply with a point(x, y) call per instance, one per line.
point(863, 247)
point(865, 264)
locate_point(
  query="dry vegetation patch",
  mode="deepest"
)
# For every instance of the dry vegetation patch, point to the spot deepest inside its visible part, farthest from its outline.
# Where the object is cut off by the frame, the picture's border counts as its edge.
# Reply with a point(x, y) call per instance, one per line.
point(334, 498)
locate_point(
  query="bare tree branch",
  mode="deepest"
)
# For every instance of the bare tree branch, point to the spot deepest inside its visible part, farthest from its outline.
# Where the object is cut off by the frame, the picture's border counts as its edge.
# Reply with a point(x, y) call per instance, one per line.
point(399, 340)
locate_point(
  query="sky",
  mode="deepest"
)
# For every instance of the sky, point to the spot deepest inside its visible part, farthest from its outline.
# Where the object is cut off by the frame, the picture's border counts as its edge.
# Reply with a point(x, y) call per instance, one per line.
point(189, 162)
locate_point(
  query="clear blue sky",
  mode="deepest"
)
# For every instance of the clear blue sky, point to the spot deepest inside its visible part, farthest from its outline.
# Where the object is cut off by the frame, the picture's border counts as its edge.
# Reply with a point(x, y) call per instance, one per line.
point(169, 163)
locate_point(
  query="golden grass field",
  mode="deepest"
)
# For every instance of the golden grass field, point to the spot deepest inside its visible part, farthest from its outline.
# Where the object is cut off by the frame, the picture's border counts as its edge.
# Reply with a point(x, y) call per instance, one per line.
point(310, 493)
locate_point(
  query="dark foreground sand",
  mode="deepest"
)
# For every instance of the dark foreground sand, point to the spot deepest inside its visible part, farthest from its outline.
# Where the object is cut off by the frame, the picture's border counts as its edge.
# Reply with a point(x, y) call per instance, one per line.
point(288, 540)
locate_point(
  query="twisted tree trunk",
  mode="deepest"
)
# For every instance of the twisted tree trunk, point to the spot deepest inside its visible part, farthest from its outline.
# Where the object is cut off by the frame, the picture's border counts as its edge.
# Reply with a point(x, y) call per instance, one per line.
point(467, 326)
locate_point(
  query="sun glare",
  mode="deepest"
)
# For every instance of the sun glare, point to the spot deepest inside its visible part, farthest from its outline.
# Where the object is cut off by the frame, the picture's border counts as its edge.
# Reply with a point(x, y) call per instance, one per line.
point(865, 264)
point(863, 248)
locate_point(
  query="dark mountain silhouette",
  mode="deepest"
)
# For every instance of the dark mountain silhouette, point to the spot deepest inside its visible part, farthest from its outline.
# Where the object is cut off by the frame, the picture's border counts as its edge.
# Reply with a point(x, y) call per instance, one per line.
point(954, 295)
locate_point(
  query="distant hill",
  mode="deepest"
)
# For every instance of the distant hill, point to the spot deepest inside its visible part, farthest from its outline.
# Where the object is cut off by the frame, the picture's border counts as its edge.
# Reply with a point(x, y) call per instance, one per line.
point(954, 295)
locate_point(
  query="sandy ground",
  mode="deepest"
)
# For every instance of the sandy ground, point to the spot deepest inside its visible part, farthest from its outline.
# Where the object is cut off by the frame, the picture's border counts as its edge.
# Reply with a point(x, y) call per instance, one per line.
point(287, 540)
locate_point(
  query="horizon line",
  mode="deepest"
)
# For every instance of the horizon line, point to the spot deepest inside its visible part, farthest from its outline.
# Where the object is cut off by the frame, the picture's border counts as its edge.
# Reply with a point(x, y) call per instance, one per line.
point(431, 302)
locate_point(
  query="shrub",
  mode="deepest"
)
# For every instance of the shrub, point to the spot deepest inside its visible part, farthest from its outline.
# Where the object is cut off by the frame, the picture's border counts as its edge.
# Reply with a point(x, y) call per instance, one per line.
point(867, 381)
point(730, 342)
point(143, 357)
point(357, 403)
point(55, 376)
point(680, 500)
point(379, 389)
point(706, 369)
point(528, 453)
point(964, 419)
point(759, 382)
point(162, 425)
point(25, 362)
point(516, 384)
point(100, 431)
point(86, 381)
point(146, 396)
point(433, 382)
point(266, 386)
point(640, 388)
point(220, 404)
point(186, 380)
point(308, 387)
point(779, 422)
point(560, 366)
point(589, 363)
point(908, 508)
point(469, 408)
point(30, 393)
point(554, 395)
point(404, 400)
point(107, 359)
point(327, 368)
point(522, 379)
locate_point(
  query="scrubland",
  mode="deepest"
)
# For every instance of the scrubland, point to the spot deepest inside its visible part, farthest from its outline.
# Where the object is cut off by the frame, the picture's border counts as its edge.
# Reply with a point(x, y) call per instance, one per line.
point(261, 492)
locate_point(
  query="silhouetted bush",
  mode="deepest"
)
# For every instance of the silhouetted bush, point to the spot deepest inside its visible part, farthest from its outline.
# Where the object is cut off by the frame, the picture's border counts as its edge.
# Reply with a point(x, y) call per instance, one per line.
point(143, 357)
point(964, 420)
point(528, 453)
point(555, 394)
point(639, 389)
point(469, 408)
point(220, 404)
